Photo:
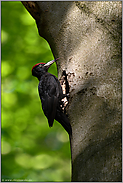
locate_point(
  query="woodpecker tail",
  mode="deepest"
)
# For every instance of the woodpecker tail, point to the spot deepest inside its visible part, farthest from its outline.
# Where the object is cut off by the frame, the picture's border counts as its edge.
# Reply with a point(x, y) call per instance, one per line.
point(64, 121)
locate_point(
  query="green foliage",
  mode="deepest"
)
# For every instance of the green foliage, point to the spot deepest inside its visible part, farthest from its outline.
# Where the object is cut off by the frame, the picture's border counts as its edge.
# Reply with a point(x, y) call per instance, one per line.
point(31, 151)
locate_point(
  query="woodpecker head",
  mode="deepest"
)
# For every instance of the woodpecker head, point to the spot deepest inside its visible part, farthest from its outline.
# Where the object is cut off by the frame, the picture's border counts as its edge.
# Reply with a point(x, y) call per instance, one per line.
point(41, 68)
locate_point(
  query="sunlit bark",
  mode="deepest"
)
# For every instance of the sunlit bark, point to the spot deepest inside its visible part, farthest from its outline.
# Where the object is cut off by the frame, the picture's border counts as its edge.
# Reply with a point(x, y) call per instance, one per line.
point(87, 38)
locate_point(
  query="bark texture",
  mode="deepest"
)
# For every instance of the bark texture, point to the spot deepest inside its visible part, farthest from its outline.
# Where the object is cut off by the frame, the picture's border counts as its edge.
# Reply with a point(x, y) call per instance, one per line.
point(87, 38)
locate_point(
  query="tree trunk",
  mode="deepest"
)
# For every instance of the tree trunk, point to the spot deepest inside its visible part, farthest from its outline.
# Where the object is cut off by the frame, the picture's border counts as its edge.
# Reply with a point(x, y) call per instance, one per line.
point(87, 38)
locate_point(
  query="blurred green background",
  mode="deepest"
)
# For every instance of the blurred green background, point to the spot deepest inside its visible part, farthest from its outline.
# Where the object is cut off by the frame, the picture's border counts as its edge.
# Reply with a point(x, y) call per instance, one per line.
point(31, 151)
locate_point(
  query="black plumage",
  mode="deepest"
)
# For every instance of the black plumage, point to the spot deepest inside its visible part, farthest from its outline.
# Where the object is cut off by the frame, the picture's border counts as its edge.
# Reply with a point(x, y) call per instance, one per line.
point(51, 95)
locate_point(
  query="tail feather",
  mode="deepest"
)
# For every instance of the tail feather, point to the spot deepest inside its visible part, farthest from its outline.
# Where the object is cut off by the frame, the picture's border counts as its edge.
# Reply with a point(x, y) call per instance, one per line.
point(64, 121)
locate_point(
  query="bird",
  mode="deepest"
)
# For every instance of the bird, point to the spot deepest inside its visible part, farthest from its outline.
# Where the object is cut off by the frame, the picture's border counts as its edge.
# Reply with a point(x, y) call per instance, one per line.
point(51, 95)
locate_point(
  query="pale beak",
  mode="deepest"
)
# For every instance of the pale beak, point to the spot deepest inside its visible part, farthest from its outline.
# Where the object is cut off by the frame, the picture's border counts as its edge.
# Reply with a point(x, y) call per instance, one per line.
point(48, 64)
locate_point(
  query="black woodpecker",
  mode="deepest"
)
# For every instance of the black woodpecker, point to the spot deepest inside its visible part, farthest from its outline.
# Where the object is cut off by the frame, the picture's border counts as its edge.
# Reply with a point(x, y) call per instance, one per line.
point(51, 95)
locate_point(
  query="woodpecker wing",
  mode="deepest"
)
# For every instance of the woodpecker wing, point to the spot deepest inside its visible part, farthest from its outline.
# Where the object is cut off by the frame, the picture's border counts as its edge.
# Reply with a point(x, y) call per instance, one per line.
point(49, 93)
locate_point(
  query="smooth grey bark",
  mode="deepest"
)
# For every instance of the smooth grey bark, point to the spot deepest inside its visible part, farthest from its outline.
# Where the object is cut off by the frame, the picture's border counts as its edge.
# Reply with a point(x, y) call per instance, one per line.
point(87, 37)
